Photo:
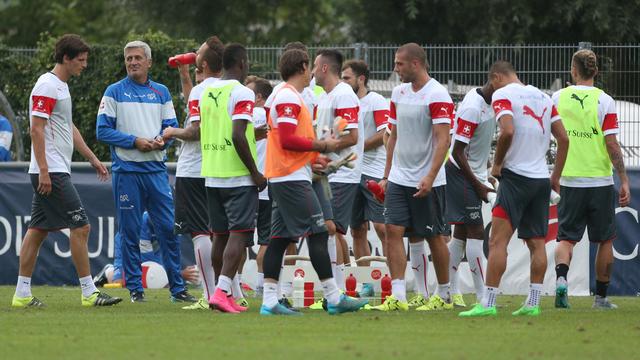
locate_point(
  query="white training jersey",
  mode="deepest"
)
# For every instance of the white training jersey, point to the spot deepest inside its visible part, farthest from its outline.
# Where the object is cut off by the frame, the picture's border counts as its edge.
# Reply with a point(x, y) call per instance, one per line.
point(374, 115)
point(533, 113)
point(343, 102)
point(608, 118)
point(190, 159)
point(240, 107)
point(260, 119)
point(286, 106)
point(50, 99)
point(475, 125)
point(413, 114)
point(308, 96)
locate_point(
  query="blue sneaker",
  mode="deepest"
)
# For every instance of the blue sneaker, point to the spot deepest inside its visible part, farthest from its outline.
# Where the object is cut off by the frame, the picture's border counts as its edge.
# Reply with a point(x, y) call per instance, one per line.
point(278, 309)
point(367, 290)
point(346, 304)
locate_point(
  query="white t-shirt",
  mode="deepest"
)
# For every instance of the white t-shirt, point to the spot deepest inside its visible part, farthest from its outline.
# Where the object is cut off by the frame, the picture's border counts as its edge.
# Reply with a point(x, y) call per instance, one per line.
point(260, 119)
point(414, 114)
point(240, 107)
point(286, 107)
point(50, 99)
point(475, 125)
point(374, 115)
point(309, 97)
point(533, 113)
point(341, 101)
point(190, 159)
point(608, 118)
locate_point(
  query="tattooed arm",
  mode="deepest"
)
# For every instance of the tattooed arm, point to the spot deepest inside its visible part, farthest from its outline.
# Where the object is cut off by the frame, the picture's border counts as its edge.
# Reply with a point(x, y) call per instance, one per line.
point(615, 154)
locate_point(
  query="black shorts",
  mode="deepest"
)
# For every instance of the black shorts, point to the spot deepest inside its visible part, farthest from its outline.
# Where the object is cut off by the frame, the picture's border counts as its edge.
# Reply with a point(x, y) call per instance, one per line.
point(421, 217)
point(592, 207)
point(61, 209)
point(324, 198)
point(264, 222)
point(191, 207)
point(296, 210)
point(232, 209)
point(342, 204)
point(464, 207)
point(365, 206)
point(525, 203)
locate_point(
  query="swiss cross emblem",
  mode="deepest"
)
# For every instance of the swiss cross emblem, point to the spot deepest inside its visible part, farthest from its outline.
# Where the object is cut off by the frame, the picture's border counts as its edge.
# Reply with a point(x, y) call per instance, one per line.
point(288, 110)
point(248, 107)
point(40, 104)
point(466, 129)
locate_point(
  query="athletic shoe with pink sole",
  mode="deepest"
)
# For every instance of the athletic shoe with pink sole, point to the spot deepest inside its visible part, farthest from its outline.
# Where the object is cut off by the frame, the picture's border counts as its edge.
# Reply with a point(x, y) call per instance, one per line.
point(221, 301)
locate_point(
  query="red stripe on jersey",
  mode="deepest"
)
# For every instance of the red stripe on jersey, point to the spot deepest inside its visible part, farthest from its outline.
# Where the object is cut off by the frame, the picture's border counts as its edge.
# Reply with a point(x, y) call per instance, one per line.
point(554, 112)
point(380, 117)
point(315, 112)
point(349, 114)
point(392, 111)
point(466, 128)
point(441, 110)
point(43, 104)
point(243, 108)
point(194, 108)
point(501, 105)
point(610, 122)
point(288, 110)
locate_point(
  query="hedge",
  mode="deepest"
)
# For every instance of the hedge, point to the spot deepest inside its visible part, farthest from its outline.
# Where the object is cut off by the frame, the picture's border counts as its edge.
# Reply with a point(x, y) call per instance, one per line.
point(18, 74)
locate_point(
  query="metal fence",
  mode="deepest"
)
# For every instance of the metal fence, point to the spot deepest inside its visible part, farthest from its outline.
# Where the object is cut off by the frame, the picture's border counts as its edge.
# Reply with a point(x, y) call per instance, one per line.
point(461, 67)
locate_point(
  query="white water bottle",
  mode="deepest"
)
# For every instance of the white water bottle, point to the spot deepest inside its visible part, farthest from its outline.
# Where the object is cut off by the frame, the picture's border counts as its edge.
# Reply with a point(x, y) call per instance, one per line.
point(298, 291)
point(492, 196)
point(554, 197)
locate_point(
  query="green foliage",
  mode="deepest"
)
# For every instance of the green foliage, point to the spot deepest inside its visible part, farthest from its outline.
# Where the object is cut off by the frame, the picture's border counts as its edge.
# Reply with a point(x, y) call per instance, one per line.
point(106, 66)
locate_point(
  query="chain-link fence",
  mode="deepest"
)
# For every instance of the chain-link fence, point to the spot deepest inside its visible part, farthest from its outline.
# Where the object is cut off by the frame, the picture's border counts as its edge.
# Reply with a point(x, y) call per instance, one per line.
point(461, 67)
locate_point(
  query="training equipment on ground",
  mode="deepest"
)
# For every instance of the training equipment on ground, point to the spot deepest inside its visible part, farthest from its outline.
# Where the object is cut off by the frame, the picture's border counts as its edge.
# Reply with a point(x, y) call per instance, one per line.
point(153, 275)
point(182, 59)
point(303, 273)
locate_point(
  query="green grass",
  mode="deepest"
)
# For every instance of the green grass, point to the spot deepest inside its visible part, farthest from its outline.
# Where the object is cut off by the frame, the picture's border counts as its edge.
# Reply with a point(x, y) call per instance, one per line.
point(159, 329)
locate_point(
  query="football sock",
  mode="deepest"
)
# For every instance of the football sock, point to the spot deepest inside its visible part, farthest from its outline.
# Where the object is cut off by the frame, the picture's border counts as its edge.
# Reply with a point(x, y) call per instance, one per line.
point(224, 283)
point(339, 276)
point(456, 253)
point(561, 274)
point(333, 254)
point(270, 298)
point(398, 290)
point(477, 265)
point(420, 266)
point(260, 281)
point(236, 290)
point(23, 287)
point(601, 288)
point(87, 286)
point(331, 291)
point(287, 288)
point(201, 249)
point(535, 290)
point(444, 292)
point(489, 298)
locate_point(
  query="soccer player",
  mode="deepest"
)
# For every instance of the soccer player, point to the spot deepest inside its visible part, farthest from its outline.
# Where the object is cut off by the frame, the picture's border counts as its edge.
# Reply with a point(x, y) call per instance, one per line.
point(374, 115)
point(586, 186)
point(132, 115)
point(527, 118)
point(56, 204)
point(466, 171)
point(339, 100)
point(421, 113)
point(291, 149)
point(191, 195)
point(263, 89)
point(229, 165)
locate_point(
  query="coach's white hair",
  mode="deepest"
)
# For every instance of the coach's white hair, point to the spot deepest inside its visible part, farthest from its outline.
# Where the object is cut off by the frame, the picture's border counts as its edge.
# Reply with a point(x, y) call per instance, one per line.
point(137, 45)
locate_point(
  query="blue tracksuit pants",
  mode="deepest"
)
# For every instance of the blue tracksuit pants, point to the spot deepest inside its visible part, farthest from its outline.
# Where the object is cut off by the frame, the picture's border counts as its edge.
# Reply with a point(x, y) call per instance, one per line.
point(134, 193)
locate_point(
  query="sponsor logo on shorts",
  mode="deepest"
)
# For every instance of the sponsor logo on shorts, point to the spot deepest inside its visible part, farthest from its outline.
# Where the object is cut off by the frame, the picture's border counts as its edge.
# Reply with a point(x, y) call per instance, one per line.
point(475, 215)
point(124, 198)
point(429, 227)
point(77, 215)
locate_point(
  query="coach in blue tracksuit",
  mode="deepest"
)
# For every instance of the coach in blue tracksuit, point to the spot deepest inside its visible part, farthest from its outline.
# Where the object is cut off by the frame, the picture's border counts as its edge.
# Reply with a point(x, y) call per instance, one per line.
point(133, 113)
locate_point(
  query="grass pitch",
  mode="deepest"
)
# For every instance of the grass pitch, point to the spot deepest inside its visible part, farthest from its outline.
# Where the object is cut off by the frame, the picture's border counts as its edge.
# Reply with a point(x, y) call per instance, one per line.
point(159, 329)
